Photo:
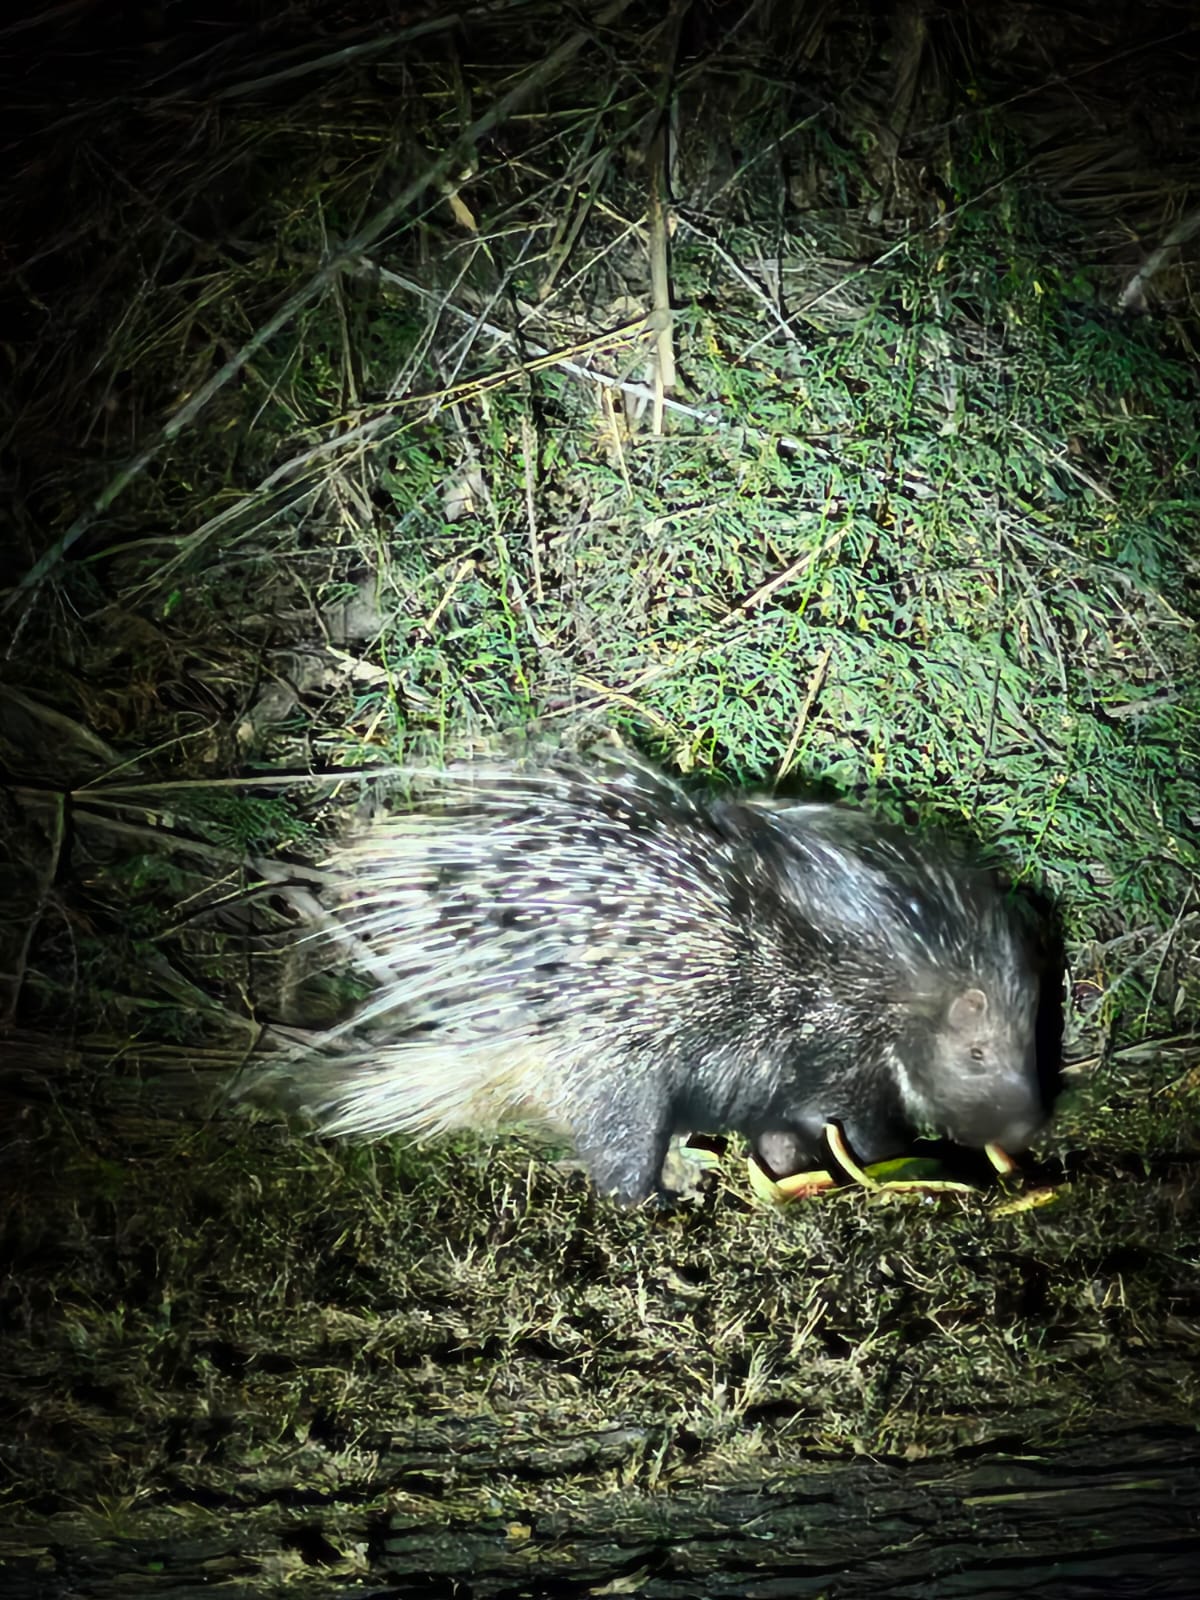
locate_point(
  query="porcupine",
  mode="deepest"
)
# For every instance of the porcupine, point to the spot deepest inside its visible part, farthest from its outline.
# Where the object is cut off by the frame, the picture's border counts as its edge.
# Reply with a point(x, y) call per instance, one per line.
point(592, 946)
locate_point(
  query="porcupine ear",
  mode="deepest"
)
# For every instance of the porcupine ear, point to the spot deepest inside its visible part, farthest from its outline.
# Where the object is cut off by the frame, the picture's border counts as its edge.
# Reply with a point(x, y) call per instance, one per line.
point(968, 1011)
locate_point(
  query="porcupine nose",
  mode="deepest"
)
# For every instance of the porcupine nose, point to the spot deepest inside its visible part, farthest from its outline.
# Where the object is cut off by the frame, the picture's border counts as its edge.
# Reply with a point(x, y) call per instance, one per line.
point(1010, 1115)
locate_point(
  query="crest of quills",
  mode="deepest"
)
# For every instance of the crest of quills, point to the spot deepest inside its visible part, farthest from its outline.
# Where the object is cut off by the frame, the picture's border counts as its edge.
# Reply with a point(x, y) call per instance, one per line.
point(590, 946)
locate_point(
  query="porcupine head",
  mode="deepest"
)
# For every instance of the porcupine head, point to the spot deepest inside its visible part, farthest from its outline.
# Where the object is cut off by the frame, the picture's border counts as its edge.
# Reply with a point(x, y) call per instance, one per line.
point(911, 1005)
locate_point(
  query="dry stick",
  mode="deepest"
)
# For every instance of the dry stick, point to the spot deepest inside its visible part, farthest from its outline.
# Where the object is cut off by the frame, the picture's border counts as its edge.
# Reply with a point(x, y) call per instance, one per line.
point(660, 188)
point(661, 164)
point(1134, 292)
point(575, 207)
point(1167, 943)
point(465, 568)
point(815, 680)
point(346, 54)
point(539, 358)
point(660, 279)
point(792, 570)
point(529, 452)
point(366, 236)
point(483, 384)
point(746, 279)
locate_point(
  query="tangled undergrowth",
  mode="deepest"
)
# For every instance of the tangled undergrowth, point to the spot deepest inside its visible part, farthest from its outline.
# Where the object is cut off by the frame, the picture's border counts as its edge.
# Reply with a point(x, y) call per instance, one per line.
point(806, 399)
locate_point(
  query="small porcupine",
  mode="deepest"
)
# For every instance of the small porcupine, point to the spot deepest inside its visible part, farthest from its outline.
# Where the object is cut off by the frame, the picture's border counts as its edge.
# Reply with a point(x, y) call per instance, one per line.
point(593, 947)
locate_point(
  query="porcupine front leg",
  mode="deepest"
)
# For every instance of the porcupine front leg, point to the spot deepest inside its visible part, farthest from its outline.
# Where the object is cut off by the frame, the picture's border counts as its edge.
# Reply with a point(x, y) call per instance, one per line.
point(627, 1171)
point(622, 1142)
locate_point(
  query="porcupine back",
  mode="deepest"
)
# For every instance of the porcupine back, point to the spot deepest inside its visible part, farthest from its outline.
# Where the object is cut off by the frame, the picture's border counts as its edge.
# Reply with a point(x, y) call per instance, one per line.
point(595, 948)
